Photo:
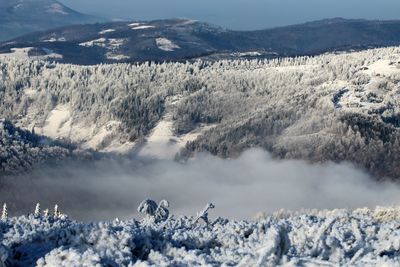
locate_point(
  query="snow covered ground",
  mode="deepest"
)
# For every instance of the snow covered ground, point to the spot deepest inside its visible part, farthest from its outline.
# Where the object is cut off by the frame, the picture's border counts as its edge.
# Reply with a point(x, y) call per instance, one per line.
point(315, 238)
point(53, 39)
point(247, 54)
point(374, 95)
point(140, 26)
point(162, 143)
point(23, 53)
point(115, 56)
point(110, 43)
point(106, 31)
point(57, 8)
point(166, 44)
point(60, 124)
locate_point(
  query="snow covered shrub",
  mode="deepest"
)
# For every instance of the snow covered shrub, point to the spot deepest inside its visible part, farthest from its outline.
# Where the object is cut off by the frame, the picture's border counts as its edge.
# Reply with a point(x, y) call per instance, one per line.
point(71, 257)
point(3, 256)
point(154, 213)
point(148, 207)
point(162, 212)
point(57, 214)
point(336, 238)
point(387, 214)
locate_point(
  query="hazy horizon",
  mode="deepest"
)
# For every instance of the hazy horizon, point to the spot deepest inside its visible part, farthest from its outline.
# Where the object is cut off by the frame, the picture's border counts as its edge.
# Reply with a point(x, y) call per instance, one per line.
point(240, 14)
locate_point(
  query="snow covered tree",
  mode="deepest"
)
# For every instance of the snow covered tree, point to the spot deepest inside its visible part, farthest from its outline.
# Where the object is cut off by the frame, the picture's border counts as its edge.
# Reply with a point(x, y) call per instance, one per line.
point(46, 213)
point(4, 213)
point(37, 212)
point(56, 212)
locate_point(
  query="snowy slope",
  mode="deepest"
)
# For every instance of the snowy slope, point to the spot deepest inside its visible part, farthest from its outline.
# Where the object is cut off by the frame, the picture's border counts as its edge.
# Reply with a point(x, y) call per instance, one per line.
point(162, 142)
point(328, 238)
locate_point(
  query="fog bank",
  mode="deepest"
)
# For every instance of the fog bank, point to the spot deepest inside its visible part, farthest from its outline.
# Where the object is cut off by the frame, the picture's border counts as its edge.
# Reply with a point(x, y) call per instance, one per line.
point(239, 188)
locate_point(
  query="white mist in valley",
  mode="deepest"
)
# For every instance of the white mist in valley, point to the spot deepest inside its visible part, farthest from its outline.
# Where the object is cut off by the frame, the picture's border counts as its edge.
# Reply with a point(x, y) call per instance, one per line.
point(240, 188)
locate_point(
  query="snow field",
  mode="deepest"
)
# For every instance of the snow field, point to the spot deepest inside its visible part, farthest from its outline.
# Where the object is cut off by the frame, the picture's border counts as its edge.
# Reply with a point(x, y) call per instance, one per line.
point(166, 44)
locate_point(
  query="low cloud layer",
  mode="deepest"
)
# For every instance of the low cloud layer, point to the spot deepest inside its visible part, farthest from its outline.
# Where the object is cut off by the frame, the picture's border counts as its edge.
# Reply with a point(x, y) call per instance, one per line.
point(239, 188)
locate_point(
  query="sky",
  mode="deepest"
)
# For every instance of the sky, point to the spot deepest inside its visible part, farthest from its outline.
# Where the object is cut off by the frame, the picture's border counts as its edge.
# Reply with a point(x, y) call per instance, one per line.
point(240, 14)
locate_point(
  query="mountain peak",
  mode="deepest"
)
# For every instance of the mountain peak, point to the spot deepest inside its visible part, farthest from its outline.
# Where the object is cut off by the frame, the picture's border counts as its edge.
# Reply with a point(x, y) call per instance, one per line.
point(18, 17)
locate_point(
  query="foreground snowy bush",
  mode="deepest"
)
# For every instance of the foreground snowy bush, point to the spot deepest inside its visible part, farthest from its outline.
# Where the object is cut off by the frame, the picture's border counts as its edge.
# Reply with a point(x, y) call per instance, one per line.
point(354, 238)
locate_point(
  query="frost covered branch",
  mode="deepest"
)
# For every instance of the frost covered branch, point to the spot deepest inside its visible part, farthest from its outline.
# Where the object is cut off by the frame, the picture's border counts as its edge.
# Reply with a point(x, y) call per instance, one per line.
point(204, 214)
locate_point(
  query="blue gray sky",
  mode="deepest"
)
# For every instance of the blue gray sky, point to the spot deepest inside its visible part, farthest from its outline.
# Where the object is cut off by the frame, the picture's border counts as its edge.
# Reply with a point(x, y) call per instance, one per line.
point(240, 14)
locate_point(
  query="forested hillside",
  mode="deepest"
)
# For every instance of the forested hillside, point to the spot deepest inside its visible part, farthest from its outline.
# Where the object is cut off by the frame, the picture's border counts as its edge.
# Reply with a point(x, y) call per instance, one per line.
point(21, 150)
point(342, 107)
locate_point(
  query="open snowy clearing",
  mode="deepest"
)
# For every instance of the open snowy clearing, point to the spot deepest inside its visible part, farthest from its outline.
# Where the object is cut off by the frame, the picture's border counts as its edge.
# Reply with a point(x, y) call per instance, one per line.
point(101, 42)
point(112, 56)
point(247, 54)
point(61, 125)
point(140, 26)
point(57, 9)
point(374, 95)
point(134, 24)
point(164, 144)
point(383, 67)
point(166, 44)
point(53, 39)
point(106, 31)
point(143, 27)
point(23, 54)
point(58, 123)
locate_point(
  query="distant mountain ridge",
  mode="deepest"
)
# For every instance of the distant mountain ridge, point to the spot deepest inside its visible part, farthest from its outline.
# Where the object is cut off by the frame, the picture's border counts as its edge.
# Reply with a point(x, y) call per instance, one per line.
point(18, 17)
point(180, 40)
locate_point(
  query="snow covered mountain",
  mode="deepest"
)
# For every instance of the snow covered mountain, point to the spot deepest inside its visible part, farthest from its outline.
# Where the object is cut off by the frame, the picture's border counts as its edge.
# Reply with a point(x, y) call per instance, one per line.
point(334, 107)
point(180, 40)
point(18, 17)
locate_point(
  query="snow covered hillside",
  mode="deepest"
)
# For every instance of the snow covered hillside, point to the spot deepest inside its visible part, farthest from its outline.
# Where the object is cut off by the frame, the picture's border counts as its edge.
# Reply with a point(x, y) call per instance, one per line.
point(333, 107)
point(315, 238)
point(183, 39)
point(19, 17)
